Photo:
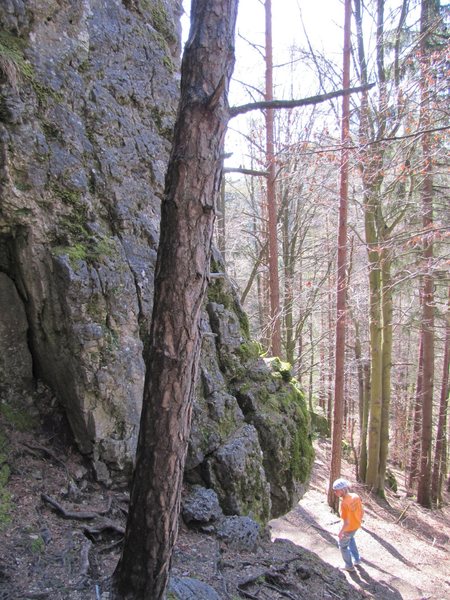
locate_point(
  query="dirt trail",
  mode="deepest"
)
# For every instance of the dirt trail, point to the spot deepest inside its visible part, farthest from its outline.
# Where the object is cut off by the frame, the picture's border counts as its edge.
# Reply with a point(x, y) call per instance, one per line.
point(405, 548)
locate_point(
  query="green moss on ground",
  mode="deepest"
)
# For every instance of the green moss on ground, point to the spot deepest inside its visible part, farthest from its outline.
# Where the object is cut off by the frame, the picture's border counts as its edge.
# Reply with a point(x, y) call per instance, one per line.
point(17, 418)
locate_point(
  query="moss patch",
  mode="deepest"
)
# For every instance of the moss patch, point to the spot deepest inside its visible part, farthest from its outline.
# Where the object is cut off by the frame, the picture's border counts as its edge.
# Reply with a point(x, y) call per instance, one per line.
point(162, 22)
point(218, 294)
point(13, 64)
point(19, 419)
point(74, 238)
point(15, 67)
point(280, 367)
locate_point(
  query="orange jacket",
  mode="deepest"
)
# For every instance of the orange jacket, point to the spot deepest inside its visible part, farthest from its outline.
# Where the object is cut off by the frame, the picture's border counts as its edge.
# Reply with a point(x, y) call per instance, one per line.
point(351, 512)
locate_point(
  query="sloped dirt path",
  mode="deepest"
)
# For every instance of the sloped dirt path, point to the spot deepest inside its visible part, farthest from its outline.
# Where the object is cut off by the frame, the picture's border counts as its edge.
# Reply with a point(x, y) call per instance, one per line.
point(405, 548)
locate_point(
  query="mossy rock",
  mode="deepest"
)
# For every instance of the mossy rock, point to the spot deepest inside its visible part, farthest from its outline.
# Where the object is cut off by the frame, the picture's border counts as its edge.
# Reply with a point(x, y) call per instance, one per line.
point(278, 411)
point(391, 481)
point(320, 425)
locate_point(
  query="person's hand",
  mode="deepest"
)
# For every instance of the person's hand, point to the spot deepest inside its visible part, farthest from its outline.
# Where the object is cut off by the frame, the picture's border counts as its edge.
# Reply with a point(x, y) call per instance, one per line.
point(340, 535)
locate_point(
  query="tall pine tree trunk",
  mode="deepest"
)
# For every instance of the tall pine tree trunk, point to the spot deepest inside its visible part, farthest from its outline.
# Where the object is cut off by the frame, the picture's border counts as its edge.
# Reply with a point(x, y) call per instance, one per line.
point(413, 473)
point(341, 287)
point(386, 363)
point(365, 423)
point(424, 487)
point(440, 455)
point(274, 284)
point(375, 324)
point(187, 219)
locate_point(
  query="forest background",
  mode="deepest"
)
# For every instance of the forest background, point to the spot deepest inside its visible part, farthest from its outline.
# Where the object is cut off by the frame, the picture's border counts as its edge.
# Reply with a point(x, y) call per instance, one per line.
point(397, 252)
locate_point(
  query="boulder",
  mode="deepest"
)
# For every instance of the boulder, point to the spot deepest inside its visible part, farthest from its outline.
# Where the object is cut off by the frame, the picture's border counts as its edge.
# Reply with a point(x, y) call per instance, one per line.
point(240, 533)
point(201, 507)
point(188, 588)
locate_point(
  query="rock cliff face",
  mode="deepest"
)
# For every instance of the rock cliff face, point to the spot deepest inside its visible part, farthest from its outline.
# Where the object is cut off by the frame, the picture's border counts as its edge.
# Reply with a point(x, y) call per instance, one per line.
point(88, 94)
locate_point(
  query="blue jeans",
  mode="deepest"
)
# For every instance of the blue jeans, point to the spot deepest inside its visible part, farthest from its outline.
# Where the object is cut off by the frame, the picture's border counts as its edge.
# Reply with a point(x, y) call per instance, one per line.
point(348, 548)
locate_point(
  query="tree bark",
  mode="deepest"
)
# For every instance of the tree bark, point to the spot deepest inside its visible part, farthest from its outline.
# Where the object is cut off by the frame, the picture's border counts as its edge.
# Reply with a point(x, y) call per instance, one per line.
point(192, 184)
point(386, 361)
point(416, 421)
point(341, 286)
point(424, 487)
point(440, 455)
point(271, 196)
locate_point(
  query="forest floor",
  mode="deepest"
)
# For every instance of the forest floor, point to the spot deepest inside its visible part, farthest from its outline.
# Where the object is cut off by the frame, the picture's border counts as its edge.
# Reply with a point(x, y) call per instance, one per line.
point(61, 539)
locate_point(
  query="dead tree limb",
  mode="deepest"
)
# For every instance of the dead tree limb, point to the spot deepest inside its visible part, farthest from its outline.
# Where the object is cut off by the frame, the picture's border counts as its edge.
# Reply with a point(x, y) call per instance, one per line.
point(277, 104)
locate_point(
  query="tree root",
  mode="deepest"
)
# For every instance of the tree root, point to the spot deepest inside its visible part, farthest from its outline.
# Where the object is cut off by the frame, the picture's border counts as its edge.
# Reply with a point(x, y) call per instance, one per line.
point(103, 525)
point(43, 450)
point(80, 516)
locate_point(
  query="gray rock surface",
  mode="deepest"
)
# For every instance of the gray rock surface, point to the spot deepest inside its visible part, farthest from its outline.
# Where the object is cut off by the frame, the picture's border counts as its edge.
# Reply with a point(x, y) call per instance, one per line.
point(240, 533)
point(188, 588)
point(84, 139)
point(201, 507)
point(87, 105)
point(15, 358)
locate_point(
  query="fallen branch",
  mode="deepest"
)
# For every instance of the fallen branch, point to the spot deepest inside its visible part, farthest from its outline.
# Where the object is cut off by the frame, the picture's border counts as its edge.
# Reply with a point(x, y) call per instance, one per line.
point(270, 575)
point(68, 514)
point(280, 591)
point(80, 516)
point(247, 594)
point(402, 514)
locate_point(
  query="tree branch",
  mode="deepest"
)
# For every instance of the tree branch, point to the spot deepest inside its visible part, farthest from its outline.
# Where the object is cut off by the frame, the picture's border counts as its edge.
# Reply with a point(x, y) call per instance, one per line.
point(277, 104)
point(245, 171)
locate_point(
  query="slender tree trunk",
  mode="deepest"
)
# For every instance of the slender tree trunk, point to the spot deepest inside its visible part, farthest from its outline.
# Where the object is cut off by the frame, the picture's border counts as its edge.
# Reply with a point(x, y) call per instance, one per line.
point(323, 369)
point(440, 455)
point(311, 368)
point(341, 287)
point(330, 369)
point(263, 277)
point(288, 303)
point(187, 218)
point(386, 363)
point(371, 167)
point(365, 423)
point(424, 487)
point(417, 421)
point(271, 195)
point(376, 372)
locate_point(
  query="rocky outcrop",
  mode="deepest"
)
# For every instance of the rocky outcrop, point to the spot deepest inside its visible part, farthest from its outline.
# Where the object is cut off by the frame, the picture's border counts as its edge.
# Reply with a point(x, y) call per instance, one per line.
point(88, 94)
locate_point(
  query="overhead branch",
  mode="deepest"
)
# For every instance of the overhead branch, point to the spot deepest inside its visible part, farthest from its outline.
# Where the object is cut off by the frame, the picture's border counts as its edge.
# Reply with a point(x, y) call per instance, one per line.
point(277, 104)
point(245, 171)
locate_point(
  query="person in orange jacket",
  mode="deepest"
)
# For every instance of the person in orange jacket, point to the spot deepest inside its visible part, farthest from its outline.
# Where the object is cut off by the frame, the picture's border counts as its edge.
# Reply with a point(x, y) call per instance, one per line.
point(351, 511)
